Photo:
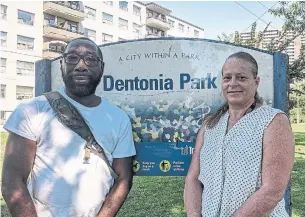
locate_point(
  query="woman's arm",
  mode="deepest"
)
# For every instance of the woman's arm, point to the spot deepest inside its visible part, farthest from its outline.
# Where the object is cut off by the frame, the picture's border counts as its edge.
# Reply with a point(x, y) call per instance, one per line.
point(193, 187)
point(277, 163)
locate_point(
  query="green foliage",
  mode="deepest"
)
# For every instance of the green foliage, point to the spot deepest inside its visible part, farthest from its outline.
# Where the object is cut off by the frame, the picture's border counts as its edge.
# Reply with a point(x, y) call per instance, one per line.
point(297, 98)
point(226, 38)
point(293, 15)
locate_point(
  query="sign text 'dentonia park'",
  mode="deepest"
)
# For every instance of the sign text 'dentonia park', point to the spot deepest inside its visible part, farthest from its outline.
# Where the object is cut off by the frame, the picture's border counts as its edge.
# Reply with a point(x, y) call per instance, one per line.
point(185, 81)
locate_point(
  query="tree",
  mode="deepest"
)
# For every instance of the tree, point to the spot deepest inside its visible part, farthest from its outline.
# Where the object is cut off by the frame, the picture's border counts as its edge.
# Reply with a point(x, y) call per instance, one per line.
point(297, 113)
point(226, 38)
point(293, 15)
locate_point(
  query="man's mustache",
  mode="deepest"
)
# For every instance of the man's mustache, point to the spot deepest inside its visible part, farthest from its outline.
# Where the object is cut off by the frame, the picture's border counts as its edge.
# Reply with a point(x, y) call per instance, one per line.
point(78, 74)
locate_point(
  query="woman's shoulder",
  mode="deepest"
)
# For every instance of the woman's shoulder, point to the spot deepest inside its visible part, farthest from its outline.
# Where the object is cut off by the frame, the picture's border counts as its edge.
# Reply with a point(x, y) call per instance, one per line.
point(267, 115)
point(266, 109)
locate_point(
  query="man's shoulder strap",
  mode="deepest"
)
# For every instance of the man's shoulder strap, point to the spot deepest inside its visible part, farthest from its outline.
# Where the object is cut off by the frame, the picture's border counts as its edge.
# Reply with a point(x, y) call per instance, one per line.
point(70, 117)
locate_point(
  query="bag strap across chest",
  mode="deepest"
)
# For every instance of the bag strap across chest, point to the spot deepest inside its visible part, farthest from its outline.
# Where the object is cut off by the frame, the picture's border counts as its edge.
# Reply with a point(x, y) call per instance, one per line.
point(70, 117)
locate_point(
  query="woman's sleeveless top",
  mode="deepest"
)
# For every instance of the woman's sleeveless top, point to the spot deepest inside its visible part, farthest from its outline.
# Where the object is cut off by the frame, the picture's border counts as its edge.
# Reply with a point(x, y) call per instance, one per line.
point(230, 164)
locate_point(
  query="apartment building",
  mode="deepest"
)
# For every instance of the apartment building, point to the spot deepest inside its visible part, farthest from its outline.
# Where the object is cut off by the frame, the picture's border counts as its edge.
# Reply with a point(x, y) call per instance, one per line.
point(291, 48)
point(21, 28)
point(110, 21)
point(267, 37)
point(270, 37)
point(40, 29)
point(303, 39)
point(274, 36)
point(245, 37)
point(62, 21)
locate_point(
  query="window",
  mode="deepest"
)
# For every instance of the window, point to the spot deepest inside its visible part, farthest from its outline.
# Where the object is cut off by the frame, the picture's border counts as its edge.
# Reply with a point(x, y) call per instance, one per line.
point(108, 3)
point(57, 47)
point(3, 91)
point(122, 39)
point(181, 27)
point(153, 31)
point(49, 19)
point(23, 92)
point(3, 65)
point(162, 17)
point(196, 33)
point(25, 43)
point(123, 24)
point(74, 5)
point(90, 13)
point(149, 13)
point(107, 18)
point(25, 17)
point(123, 5)
point(90, 34)
point(3, 39)
point(25, 68)
point(107, 38)
point(136, 10)
point(3, 12)
point(72, 26)
point(136, 28)
point(59, 2)
point(155, 15)
point(171, 23)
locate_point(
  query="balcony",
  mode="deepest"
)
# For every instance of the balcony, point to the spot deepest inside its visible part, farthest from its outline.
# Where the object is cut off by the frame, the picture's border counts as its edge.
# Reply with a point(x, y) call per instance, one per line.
point(154, 35)
point(157, 23)
point(53, 49)
point(59, 33)
point(73, 11)
point(50, 54)
point(158, 8)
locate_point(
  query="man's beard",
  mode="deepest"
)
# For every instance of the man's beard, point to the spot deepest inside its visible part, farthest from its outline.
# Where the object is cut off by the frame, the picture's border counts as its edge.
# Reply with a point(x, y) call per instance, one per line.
point(81, 90)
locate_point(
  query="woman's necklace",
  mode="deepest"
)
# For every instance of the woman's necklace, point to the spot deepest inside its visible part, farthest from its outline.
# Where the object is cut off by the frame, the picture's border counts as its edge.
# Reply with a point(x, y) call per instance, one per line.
point(252, 107)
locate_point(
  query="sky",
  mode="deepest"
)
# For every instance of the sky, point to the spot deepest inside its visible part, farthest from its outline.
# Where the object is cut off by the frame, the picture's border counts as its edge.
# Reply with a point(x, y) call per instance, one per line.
point(217, 17)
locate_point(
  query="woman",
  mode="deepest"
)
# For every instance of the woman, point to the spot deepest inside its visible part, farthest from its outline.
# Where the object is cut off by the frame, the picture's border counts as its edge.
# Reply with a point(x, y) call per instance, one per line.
point(243, 154)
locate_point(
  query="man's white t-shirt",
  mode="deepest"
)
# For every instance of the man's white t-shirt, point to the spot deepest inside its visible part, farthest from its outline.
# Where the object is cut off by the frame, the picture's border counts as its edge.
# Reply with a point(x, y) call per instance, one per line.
point(61, 185)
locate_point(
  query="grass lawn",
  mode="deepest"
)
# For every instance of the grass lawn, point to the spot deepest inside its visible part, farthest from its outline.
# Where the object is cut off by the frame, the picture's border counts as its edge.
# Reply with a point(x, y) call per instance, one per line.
point(163, 196)
point(298, 173)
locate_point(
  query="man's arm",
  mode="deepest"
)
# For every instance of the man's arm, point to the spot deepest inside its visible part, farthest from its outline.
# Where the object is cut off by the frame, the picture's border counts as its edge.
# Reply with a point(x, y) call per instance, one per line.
point(193, 188)
point(120, 189)
point(278, 155)
point(18, 161)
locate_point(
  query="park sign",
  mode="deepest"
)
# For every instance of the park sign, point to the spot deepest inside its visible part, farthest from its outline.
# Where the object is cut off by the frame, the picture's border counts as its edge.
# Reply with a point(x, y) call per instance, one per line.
point(167, 86)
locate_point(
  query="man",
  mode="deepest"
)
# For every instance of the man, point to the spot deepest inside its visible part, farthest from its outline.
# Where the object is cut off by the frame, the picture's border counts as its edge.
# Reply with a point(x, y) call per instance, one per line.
point(61, 184)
